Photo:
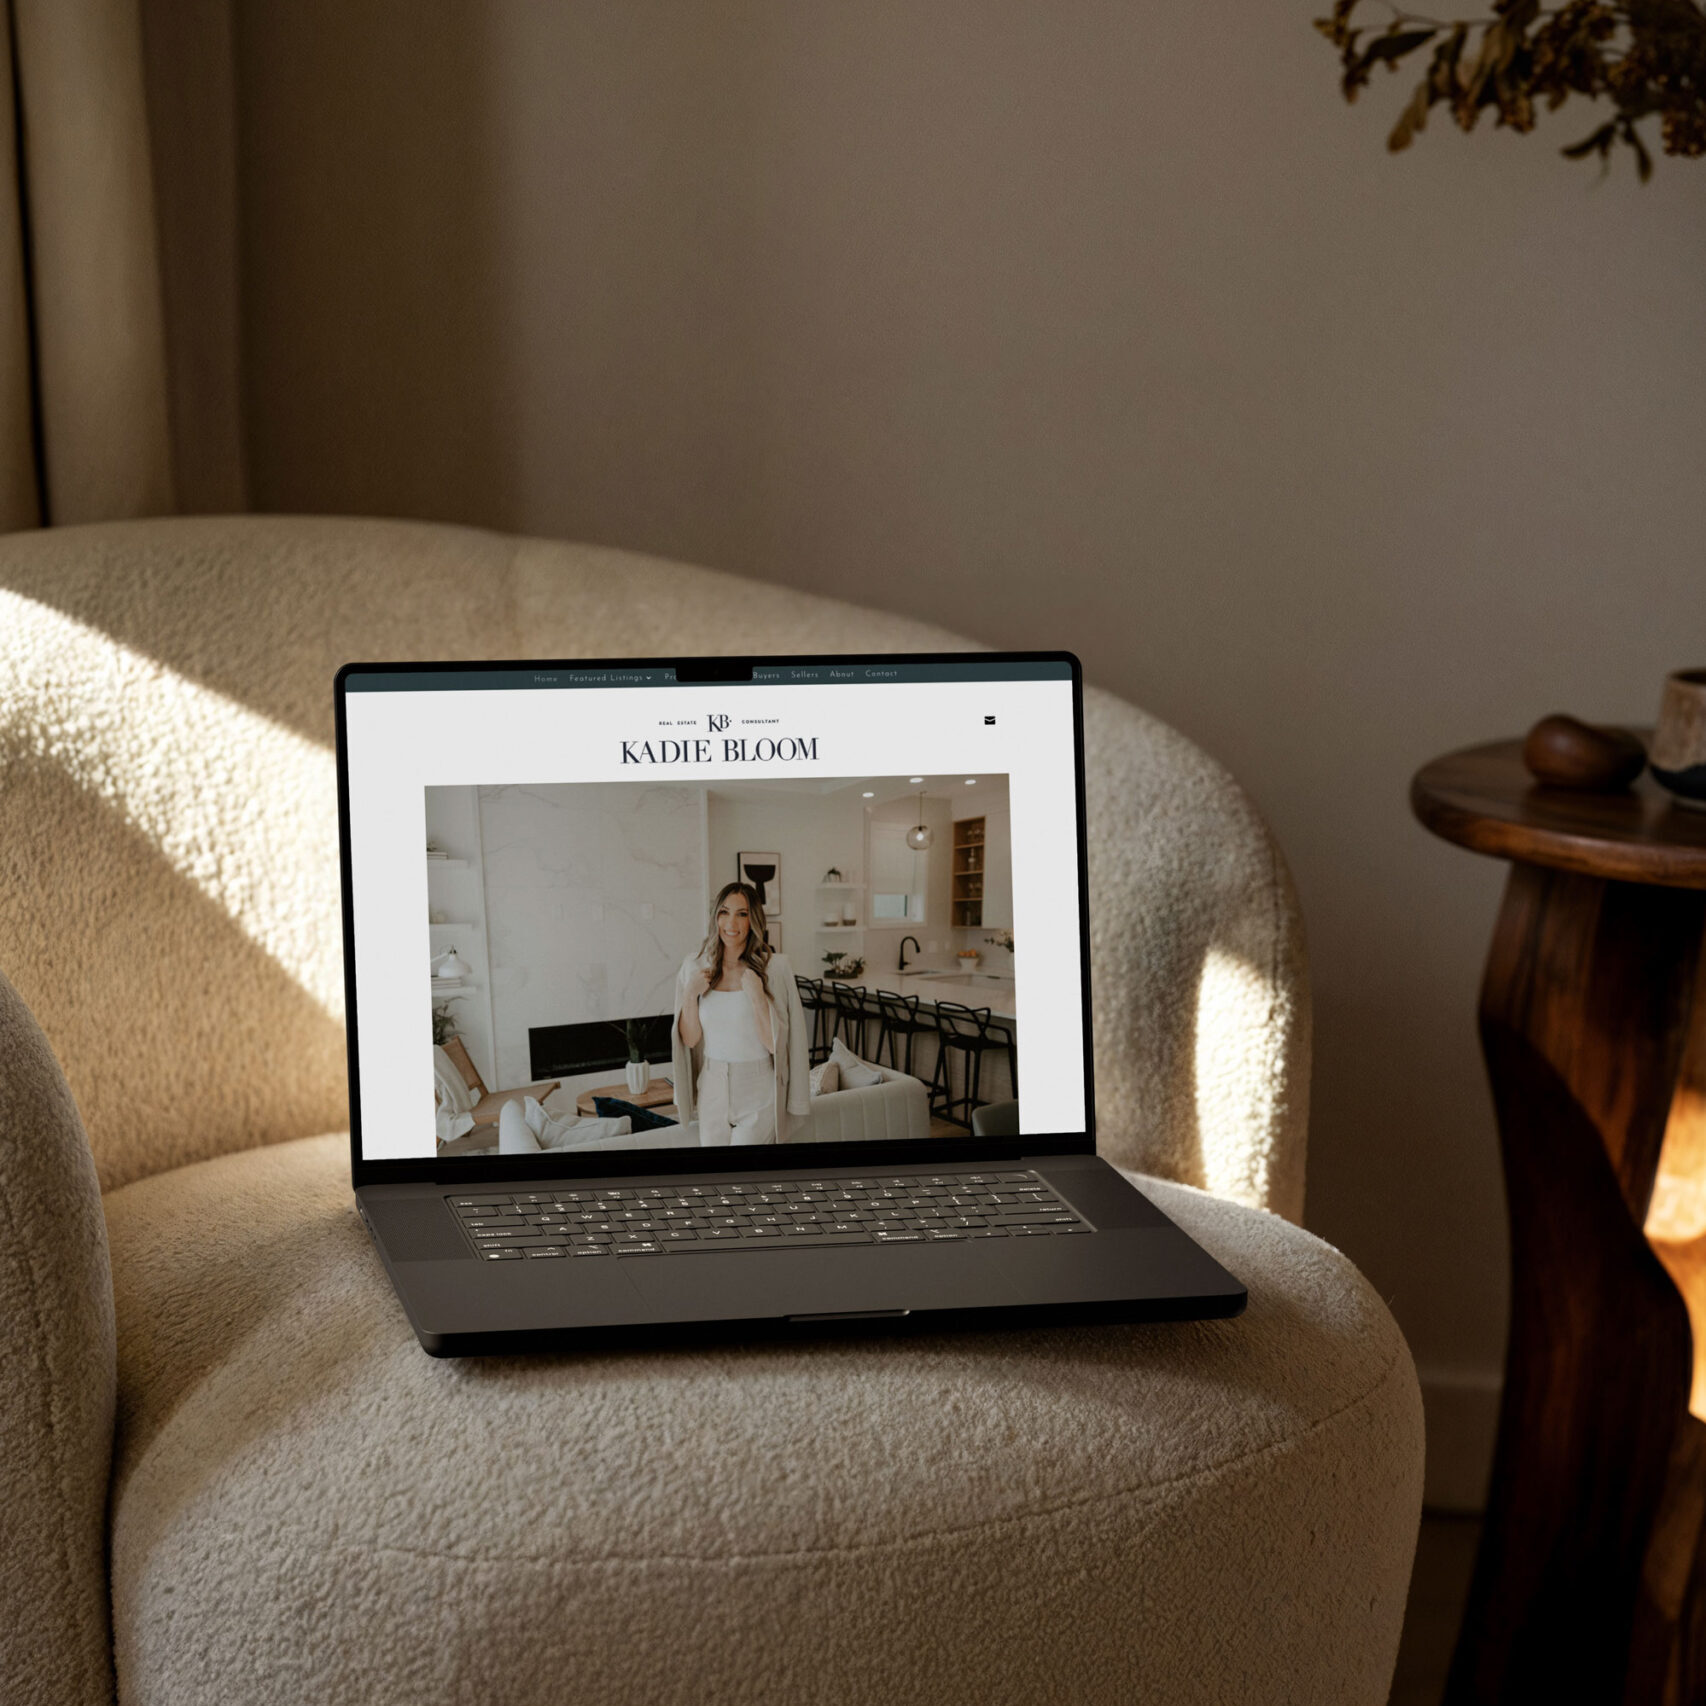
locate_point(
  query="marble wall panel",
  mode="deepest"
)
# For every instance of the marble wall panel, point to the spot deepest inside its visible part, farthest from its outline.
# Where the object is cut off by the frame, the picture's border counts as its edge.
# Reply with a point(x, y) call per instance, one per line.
point(594, 894)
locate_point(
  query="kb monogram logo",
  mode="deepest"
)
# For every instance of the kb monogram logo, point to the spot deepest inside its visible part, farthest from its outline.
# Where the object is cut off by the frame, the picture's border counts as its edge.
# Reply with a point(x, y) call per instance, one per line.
point(716, 724)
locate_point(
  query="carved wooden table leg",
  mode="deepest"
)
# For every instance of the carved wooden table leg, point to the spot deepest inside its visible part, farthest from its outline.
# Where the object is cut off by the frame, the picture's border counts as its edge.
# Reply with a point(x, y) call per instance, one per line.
point(1590, 1585)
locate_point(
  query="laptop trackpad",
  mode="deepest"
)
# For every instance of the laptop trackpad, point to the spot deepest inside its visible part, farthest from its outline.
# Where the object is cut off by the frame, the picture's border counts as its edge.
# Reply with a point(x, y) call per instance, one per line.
point(768, 1284)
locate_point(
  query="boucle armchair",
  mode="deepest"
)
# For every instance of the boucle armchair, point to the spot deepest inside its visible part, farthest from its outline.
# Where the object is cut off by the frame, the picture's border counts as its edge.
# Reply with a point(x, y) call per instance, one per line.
point(227, 1472)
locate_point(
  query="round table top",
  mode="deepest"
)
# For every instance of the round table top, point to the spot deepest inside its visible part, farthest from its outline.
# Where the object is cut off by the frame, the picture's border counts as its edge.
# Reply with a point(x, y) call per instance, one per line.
point(1483, 798)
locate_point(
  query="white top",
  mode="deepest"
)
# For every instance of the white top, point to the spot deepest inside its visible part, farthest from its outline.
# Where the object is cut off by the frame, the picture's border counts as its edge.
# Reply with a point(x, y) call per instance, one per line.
point(731, 1028)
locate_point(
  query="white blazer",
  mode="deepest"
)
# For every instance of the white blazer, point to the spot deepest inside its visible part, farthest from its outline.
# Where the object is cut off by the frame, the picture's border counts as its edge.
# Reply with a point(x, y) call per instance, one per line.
point(792, 1078)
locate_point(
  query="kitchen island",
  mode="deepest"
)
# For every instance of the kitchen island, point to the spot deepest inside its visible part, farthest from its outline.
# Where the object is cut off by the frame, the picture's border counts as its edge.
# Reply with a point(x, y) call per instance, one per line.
point(995, 990)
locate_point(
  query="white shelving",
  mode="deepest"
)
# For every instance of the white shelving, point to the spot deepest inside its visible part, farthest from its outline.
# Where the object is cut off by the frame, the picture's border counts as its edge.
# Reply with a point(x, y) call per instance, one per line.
point(831, 904)
point(456, 888)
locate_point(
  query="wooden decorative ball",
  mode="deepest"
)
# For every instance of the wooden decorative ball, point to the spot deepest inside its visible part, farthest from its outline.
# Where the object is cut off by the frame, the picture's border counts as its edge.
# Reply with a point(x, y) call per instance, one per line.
point(1565, 753)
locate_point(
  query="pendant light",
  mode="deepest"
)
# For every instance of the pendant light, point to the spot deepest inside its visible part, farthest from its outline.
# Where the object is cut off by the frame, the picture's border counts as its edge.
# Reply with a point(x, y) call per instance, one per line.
point(918, 838)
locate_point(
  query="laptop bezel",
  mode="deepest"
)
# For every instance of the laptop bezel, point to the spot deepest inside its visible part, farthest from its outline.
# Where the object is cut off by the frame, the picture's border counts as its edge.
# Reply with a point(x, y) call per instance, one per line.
point(473, 1171)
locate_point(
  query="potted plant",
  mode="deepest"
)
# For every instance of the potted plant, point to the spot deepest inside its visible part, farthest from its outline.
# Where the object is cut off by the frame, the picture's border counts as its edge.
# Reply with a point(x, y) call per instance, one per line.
point(443, 1025)
point(639, 1068)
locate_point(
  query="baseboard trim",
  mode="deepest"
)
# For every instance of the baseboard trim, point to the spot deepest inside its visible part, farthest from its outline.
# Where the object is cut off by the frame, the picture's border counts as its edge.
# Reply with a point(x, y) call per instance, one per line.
point(1462, 1410)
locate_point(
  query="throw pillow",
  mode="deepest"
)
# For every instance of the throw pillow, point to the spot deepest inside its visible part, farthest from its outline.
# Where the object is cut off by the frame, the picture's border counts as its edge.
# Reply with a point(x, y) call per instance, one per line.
point(856, 1074)
point(826, 1079)
point(589, 1133)
point(452, 1126)
point(611, 1107)
point(515, 1135)
point(552, 1130)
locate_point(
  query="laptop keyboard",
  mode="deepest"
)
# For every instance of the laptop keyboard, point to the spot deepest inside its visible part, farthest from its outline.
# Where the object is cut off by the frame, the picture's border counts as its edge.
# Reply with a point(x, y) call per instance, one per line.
point(794, 1214)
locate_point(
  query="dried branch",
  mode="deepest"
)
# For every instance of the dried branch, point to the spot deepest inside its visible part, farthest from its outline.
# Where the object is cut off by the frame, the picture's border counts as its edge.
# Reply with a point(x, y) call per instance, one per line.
point(1647, 57)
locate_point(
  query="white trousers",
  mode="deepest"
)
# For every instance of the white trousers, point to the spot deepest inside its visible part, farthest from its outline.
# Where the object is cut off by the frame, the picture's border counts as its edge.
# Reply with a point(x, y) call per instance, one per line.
point(737, 1102)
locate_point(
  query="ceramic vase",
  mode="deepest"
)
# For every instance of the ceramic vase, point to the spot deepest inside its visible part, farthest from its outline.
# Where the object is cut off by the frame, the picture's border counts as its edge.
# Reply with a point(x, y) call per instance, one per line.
point(1678, 755)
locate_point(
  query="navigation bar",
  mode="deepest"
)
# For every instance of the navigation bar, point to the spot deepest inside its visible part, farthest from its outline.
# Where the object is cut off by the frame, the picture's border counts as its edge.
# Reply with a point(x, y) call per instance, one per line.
point(766, 672)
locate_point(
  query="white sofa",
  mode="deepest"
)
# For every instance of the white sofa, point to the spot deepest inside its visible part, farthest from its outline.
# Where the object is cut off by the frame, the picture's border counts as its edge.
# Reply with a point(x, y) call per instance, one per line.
point(898, 1107)
point(230, 1476)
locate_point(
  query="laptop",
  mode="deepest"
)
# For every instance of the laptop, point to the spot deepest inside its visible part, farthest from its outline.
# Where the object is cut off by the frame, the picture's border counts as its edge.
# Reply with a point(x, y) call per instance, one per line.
point(758, 994)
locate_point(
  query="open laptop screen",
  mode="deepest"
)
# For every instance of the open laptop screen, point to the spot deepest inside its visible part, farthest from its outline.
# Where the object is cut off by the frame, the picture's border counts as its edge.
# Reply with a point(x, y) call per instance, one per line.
point(602, 909)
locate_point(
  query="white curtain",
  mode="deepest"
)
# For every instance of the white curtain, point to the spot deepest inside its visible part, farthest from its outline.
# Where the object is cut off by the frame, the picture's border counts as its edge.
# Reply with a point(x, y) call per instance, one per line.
point(83, 372)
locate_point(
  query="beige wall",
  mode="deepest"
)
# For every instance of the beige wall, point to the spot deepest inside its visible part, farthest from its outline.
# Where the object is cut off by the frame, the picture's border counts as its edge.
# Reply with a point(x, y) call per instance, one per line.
point(1101, 325)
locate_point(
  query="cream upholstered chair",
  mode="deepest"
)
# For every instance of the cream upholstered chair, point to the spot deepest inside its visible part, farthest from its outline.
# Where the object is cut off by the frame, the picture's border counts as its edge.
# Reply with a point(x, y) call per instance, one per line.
point(228, 1474)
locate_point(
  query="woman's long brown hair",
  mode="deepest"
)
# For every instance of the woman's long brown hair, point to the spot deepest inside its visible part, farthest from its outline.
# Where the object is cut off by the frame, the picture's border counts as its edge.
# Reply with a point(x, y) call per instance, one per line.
point(758, 949)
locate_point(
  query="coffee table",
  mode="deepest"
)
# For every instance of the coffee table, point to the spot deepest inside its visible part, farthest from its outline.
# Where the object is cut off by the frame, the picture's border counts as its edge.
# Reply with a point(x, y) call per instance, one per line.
point(1590, 1583)
point(655, 1095)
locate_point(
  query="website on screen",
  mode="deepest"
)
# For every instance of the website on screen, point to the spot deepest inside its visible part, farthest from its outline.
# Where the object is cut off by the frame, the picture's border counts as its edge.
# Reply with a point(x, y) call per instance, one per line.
point(604, 914)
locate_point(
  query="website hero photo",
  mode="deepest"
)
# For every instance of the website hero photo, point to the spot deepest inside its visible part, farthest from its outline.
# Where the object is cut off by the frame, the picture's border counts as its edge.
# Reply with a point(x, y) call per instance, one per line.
point(666, 964)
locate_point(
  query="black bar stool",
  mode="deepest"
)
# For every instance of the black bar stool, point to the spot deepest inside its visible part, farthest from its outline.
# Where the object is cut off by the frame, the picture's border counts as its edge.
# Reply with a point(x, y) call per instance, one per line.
point(901, 1019)
point(871, 1010)
point(818, 1002)
point(851, 1016)
point(1001, 1033)
point(965, 1031)
point(860, 1010)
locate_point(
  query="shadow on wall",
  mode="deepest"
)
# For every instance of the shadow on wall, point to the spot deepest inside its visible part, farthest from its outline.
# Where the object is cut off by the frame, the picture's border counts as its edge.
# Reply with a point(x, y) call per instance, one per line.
point(381, 267)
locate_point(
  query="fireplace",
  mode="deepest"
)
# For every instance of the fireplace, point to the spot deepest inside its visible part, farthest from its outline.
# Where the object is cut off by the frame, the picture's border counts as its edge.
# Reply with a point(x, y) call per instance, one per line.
point(568, 1051)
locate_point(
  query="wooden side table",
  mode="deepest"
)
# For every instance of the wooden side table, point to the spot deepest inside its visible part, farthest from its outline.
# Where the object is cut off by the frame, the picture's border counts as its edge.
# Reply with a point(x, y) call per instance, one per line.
point(1590, 1584)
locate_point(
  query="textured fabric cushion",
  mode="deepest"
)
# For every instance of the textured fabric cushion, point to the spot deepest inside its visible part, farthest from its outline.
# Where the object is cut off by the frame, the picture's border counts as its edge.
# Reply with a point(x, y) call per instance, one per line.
point(826, 1078)
point(168, 830)
point(56, 1384)
point(308, 1509)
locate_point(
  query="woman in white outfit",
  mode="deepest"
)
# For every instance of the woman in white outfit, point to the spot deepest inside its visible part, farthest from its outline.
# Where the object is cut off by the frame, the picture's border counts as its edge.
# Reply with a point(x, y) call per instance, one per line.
point(740, 1036)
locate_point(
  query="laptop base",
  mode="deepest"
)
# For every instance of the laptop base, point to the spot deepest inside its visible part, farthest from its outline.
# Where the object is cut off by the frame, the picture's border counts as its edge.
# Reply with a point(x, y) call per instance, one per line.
point(1135, 1265)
